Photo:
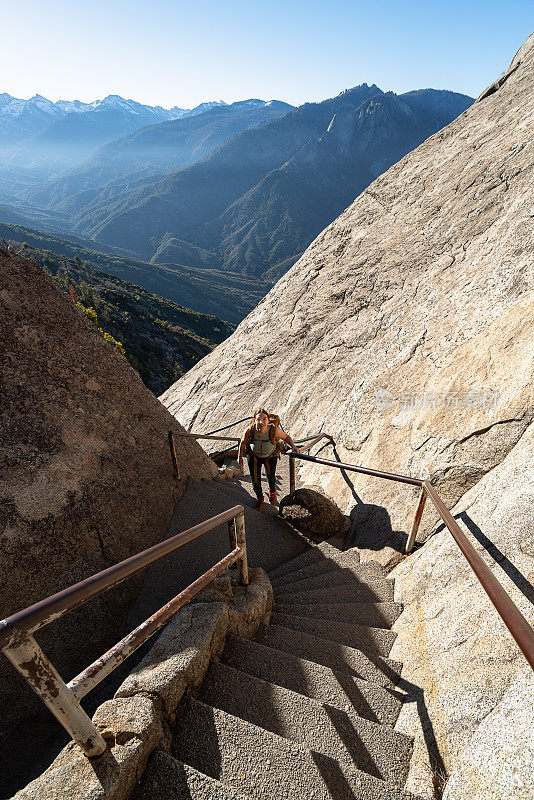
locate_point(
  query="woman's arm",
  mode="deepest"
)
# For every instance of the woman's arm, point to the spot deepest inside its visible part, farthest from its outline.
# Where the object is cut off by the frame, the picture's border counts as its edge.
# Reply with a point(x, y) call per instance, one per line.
point(280, 434)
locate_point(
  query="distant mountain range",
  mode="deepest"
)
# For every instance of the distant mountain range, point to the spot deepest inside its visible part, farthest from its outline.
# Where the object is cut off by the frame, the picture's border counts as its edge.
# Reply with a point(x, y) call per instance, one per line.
point(240, 188)
point(254, 203)
point(20, 119)
point(152, 151)
point(43, 137)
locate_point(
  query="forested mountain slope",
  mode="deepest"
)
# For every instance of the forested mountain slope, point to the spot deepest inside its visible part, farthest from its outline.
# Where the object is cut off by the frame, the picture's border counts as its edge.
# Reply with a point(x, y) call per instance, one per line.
point(224, 295)
point(255, 203)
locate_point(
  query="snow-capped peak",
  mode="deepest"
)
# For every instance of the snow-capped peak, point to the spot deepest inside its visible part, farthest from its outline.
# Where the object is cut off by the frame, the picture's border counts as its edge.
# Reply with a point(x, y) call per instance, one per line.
point(12, 107)
point(250, 103)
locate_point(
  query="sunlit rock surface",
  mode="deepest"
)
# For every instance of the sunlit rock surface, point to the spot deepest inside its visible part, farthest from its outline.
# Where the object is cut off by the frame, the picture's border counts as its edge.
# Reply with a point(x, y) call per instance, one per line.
point(453, 644)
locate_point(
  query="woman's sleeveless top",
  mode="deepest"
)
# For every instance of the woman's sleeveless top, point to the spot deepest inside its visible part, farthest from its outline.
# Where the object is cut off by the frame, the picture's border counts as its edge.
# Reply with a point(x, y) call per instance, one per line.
point(261, 446)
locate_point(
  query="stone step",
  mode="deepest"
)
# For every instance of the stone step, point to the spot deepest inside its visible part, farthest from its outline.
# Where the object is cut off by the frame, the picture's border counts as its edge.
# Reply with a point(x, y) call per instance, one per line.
point(232, 488)
point(166, 778)
point(337, 688)
point(376, 615)
point(336, 577)
point(323, 552)
point(370, 570)
point(264, 765)
point(235, 493)
point(352, 591)
point(242, 487)
point(374, 668)
point(350, 739)
point(378, 641)
point(270, 541)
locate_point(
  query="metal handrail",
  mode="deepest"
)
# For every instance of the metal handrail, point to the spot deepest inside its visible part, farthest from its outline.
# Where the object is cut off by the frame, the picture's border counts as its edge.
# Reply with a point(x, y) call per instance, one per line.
point(208, 436)
point(506, 608)
point(19, 646)
point(514, 620)
point(314, 440)
point(190, 435)
point(375, 473)
point(231, 425)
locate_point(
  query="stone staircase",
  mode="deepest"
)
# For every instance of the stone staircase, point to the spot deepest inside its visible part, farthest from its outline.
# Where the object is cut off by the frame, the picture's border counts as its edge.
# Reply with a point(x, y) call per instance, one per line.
point(307, 709)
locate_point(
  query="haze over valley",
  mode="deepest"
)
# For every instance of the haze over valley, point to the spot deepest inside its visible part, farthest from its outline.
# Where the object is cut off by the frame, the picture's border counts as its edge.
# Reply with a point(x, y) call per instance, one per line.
point(239, 188)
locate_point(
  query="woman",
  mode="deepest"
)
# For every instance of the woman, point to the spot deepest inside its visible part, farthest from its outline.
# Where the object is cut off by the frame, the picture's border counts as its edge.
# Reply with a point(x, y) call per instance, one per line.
point(261, 443)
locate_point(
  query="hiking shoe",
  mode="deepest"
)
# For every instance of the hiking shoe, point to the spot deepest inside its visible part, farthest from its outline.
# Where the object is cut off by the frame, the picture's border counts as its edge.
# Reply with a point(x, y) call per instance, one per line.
point(259, 503)
point(272, 499)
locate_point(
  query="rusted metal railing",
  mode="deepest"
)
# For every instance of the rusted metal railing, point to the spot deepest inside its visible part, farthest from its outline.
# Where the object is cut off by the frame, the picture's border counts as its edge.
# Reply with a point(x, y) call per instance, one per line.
point(63, 700)
point(173, 457)
point(514, 620)
point(230, 425)
point(236, 439)
point(311, 441)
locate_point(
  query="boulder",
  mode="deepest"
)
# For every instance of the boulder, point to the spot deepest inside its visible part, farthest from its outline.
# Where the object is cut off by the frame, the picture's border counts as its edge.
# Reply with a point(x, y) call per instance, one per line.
point(406, 329)
point(314, 515)
point(87, 478)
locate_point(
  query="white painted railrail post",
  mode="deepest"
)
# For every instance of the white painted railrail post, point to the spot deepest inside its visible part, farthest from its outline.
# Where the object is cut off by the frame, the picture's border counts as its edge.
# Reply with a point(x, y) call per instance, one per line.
point(241, 542)
point(28, 659)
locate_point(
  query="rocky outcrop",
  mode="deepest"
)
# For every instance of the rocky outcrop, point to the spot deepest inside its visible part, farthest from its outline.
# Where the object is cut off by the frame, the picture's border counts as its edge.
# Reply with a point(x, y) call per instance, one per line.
point(313, 514)
point(87, 478)
point(406, 329)
point(455, 647)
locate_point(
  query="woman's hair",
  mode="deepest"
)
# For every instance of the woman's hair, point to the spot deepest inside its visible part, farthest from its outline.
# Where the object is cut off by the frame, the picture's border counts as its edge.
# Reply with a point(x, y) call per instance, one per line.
point(260, 411)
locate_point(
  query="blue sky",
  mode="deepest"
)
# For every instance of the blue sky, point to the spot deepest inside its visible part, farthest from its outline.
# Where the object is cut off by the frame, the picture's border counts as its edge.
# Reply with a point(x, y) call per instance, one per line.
point(181, 53)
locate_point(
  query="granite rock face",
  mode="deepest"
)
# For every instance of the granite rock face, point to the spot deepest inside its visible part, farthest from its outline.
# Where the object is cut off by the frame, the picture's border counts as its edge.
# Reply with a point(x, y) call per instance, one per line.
point(406, 329)
point(499, 761)
point(87, 478)
point(453, 644)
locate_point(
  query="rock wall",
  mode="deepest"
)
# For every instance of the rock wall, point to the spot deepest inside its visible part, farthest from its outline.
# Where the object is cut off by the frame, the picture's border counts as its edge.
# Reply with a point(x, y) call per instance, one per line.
point(406, 330)
point(87, 478)
point(454, 646)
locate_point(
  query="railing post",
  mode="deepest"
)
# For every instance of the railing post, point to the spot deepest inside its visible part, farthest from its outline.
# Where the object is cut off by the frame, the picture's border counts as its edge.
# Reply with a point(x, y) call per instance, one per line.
point(232, 536)
point(292, 481)
point(241, 542)
point(28, 659)
point(173, 457)
point(416, 520)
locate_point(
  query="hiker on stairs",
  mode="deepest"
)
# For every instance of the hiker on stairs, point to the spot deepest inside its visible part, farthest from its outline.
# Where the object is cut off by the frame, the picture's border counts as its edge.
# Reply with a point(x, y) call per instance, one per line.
point(261, 443)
